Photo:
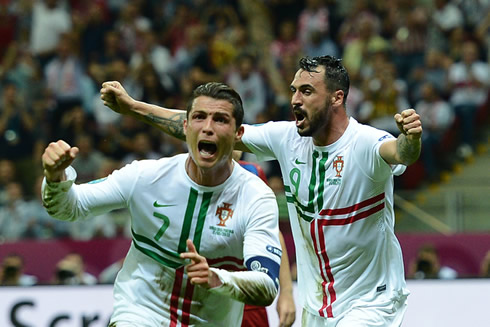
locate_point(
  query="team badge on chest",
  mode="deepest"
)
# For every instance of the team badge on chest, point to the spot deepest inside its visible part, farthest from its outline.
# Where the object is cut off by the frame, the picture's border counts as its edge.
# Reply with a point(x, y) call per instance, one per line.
point(338, 165)
point(224, 213)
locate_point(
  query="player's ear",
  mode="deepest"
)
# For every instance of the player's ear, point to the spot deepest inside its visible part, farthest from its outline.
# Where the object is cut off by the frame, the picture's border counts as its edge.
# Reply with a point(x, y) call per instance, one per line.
point(185, 127)
point(239, 133)
point(338, 98)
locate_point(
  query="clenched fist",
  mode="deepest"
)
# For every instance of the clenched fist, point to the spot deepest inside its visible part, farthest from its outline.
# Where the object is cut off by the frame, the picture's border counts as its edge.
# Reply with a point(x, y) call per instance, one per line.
point(408, 122)
point(56, 157)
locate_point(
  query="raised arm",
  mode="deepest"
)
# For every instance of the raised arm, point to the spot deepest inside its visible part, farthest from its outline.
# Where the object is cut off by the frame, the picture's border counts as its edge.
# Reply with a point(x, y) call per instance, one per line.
point(170, 121)
point(406, 148)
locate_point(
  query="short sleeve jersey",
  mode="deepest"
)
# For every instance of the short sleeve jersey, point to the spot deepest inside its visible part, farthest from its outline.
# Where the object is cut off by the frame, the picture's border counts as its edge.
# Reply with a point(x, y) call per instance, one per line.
point(340, 203)
point(229, 224)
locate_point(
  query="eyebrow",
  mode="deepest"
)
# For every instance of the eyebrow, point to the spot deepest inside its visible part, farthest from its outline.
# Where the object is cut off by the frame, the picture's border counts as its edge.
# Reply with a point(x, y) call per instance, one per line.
point(301, 87)
point(220, 112)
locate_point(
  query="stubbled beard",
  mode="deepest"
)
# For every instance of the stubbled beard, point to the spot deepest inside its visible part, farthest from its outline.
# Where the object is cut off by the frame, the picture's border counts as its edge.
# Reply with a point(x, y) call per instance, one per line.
point(315, 123)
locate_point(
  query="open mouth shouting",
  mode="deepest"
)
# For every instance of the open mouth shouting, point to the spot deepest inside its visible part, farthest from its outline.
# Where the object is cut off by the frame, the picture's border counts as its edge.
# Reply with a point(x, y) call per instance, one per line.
point(207, 149)
point(300, 116)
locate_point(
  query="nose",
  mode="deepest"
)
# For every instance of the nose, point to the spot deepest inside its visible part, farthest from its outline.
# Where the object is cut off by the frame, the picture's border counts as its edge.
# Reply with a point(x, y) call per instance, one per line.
point(296, 99)
point(208, 126)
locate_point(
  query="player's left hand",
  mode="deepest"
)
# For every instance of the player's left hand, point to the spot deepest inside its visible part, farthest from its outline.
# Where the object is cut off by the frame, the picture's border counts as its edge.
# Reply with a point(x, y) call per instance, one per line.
point(198, 270)
point(286, 309)
point(409, 123)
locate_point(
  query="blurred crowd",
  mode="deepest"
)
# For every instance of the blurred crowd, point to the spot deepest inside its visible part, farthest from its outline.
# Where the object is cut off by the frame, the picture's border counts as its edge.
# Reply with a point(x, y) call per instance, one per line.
point(71, 270)
point(431, 55)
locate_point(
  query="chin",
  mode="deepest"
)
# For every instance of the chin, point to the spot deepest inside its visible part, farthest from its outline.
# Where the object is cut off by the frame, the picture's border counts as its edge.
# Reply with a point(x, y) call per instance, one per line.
point(304, 132)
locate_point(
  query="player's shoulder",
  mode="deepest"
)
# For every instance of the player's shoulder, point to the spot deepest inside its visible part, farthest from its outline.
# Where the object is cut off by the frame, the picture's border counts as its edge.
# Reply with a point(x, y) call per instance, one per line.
point(149, 167)
point(250, 183)
point(284, 127)
point(370, 134)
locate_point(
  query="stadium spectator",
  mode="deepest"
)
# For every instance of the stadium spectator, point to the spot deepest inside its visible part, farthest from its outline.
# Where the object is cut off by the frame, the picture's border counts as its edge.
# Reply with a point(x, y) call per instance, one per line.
point(247, 80)
point(469, 82)
point(14, 224)
point(12, 273)
point(151, 52)
point(321, 44)
point(105, 119)
point(368, 41)
point(40, 225)
point(8, 23)
point(434, 71)
point(438, 117)
point(222, 22)
point(74, 122)
point(408, 35)
point(427, 265)
point(384, 96)
point(142, 148)
point(485, 266)
point(91, 25)
point(70, 270)
point(287, 42)
point(312, 19)
point(130, 23)
point(50, 20)
point(445, 18)
point(16, 125)
point(64, 74)
point(7, 175)
point(89, 160)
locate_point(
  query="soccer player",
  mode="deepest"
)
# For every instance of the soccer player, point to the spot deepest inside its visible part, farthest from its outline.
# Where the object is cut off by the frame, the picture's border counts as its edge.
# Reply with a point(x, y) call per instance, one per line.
point(204, 230)
point(338, 177)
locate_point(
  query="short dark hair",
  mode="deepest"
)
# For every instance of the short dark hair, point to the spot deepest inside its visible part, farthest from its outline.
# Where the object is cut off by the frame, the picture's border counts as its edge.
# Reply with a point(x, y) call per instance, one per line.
point(219, 91)
point(336, 76)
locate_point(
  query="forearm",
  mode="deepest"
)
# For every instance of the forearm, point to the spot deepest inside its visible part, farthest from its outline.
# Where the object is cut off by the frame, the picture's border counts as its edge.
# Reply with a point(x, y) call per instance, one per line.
point(66, 201)
point(170, 121)
point(250, 287)
point(58, 198)
point(285, 280)
point(408, 149)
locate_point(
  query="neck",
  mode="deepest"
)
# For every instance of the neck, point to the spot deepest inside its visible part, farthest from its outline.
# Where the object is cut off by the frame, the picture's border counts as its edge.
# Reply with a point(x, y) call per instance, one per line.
point(209, 176)
point(334, 128)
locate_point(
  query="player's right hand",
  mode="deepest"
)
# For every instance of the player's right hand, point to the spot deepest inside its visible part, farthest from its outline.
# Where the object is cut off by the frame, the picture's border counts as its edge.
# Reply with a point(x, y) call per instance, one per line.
point(198, 270)
point(115, 97)
point(56, 157)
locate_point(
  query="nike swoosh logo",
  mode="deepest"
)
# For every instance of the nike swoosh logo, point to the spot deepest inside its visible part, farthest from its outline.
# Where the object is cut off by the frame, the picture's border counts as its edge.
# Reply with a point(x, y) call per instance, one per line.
point(157, 205)
point(299, 162)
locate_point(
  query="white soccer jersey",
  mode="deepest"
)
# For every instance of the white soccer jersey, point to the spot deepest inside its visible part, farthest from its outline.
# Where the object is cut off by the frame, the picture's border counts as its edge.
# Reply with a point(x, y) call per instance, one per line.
point(229, 224)
point(340, 201)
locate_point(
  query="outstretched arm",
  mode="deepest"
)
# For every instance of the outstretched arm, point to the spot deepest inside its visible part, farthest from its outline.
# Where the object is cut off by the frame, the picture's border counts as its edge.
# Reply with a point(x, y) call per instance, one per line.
point(406, 148)
point(170, 121)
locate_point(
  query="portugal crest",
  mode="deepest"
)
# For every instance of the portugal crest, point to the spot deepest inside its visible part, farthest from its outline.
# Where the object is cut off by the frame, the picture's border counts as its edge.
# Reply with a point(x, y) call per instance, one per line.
point(224, 213)
point(338, 165)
